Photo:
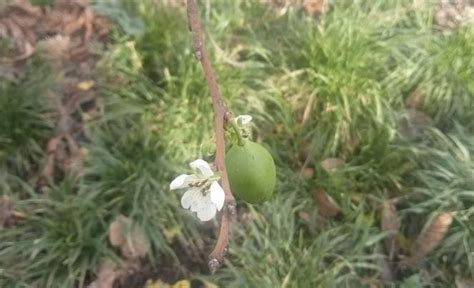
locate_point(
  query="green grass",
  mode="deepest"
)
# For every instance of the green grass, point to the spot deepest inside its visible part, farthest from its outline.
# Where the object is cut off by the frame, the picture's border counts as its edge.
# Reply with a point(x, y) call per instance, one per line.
point(26, 123)
point(63, 237)
point(443, 181)
point(358, 64)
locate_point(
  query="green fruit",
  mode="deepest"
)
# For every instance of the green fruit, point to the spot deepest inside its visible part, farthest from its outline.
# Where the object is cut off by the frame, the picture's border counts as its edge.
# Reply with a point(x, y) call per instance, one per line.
point(251, 172)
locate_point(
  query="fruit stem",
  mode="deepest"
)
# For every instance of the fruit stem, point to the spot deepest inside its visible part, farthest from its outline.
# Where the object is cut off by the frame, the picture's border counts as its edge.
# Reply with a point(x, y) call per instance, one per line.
point(240, 138)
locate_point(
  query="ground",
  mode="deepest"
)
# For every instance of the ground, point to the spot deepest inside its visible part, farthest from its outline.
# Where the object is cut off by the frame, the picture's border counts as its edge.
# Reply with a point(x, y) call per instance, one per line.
point(366, 108)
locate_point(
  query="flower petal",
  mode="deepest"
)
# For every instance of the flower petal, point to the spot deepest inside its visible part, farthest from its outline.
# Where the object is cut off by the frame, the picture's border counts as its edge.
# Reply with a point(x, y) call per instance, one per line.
point(189, 198)
point(217, 195)
point(207, 212)
point(243, 119)
point(199, 201)
point(182, 181)
point(203, 166)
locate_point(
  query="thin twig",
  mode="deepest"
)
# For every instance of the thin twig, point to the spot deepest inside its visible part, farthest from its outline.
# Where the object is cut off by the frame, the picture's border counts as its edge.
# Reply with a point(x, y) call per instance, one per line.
point(221, 115)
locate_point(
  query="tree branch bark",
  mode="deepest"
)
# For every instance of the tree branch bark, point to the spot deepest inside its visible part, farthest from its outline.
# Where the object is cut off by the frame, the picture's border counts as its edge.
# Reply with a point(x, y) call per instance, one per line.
point(221, 115)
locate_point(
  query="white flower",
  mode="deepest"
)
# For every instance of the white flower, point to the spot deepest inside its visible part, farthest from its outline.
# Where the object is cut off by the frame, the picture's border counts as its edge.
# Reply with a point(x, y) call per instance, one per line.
point(243, 120)
point(204, 195)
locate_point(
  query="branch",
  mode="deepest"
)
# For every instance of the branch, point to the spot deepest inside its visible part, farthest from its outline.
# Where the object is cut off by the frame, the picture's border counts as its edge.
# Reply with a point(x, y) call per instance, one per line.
point(221, 115)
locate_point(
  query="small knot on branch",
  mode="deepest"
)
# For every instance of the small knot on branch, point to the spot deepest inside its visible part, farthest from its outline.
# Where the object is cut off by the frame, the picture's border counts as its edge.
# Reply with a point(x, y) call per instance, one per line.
point(198, 52)
point(213, 265)
point(228, 116)
point(232, 208)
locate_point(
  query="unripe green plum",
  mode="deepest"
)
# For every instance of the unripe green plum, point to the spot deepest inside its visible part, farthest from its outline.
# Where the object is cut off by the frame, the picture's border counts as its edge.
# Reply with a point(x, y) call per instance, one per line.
point(251, 171)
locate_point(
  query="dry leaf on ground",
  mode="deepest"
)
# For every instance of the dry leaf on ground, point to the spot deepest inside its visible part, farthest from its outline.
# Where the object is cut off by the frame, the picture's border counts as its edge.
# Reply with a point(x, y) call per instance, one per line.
point(307, 172)
point(6, 211)
point(128, 237)
point(462, 282)
point(56, 48)
point(106, 277)
point(8, 215)
point(64, 33)
point(390, 223)
point(415, 100)
point(111, 273)
point(450, 14)
point(86, 85)
point(316, 7)
point(327, 206)
point(430, 238)
point(331, 164)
